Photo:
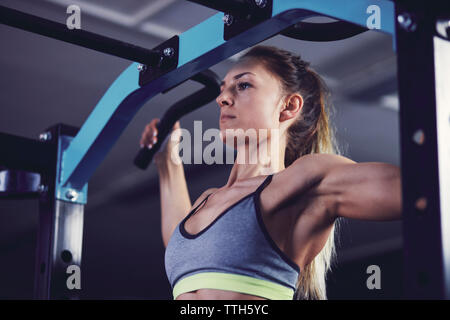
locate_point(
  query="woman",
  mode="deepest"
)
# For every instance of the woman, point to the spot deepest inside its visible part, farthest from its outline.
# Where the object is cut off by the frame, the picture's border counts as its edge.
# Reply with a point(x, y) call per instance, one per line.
point(268, 233)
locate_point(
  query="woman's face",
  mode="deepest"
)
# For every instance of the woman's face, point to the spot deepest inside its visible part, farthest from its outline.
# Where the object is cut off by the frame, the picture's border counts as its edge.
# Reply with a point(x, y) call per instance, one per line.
point(252, 97)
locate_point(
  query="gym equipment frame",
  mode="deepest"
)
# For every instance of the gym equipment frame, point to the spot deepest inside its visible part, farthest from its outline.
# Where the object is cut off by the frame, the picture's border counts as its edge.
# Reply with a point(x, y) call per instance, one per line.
point(66, 157)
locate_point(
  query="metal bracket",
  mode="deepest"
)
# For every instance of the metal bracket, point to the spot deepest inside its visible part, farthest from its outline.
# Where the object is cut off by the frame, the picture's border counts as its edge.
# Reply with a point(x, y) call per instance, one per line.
point(59, 137)
point(169, 52)
point(67, 193)
point(234, 25)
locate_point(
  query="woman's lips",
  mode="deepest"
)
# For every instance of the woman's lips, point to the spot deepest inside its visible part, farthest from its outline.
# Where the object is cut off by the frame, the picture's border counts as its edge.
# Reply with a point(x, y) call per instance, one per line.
point(224, 118)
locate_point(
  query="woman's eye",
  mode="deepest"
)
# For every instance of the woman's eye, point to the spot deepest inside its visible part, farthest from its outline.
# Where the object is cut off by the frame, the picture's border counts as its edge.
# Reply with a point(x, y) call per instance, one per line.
point(243, 85)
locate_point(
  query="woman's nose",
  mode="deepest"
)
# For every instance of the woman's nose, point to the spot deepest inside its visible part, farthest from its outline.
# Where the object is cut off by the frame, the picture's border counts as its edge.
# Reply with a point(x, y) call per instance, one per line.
point(223, 100)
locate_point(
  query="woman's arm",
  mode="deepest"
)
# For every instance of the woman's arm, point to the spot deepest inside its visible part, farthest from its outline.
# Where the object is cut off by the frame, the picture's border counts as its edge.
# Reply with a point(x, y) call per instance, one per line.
point(324, 187)
point(174, 196)
point(367, 190)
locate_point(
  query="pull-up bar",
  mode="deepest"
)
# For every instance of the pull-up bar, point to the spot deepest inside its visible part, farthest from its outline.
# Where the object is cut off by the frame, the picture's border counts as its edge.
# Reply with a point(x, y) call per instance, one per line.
point(59, 31)
point(301, 31)
point(192, 102)
point(77, 153)
point(330, 31)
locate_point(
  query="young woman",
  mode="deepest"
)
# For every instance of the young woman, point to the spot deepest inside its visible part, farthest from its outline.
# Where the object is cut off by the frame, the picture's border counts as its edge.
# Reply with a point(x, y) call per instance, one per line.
point(268, 233)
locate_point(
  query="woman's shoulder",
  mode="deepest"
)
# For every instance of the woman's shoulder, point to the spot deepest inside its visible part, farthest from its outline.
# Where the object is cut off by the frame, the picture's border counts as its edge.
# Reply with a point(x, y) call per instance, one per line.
point(304, 173)
point(317, 162)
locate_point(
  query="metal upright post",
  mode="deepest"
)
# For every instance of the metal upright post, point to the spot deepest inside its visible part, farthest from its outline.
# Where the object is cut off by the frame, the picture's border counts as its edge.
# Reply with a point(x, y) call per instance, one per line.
point(423, 55)
point(59, 243)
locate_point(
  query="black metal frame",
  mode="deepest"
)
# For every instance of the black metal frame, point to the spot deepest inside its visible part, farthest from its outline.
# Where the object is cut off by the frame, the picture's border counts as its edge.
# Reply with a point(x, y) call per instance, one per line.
point(246, 14)
point(60, 222)
point(167, 62)
point(19, 158)
point(424, 274)
point(426, 258)
point(51, 29)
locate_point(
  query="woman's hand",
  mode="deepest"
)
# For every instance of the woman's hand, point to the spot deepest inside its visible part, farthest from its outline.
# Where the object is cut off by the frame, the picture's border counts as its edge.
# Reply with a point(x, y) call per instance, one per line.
point(150, 137)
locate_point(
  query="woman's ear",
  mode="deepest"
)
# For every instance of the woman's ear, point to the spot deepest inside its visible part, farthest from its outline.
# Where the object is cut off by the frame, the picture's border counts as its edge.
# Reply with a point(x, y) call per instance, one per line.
point(292, 107)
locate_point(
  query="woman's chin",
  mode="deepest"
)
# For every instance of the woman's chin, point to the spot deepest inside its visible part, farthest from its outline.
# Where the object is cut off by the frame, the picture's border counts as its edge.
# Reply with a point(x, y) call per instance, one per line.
point(232, 142)
point(224, 126)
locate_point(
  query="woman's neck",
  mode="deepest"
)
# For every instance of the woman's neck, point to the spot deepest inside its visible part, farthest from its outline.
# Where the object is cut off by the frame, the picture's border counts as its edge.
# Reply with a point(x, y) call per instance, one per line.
point(264, 159)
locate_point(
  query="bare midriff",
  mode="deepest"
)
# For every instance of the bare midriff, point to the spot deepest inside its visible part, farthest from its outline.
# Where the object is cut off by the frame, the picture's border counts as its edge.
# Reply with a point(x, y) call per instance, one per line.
point(215, 294)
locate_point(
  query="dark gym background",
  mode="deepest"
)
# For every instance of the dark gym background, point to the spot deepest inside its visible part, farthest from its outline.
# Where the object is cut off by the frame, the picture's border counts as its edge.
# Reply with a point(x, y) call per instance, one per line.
point(45, 81)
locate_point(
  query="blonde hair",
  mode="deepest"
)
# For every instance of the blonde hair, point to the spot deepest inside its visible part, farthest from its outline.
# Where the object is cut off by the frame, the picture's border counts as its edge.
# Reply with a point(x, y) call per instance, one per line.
point(310, 133)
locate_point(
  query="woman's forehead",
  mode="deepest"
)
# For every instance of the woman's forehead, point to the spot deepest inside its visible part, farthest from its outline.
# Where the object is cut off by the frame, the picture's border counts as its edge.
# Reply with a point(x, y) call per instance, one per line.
point(254, 69)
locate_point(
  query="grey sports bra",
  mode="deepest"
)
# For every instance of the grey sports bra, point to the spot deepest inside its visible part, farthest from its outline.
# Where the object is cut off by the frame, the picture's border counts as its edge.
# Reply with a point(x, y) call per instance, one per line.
point(235, 252)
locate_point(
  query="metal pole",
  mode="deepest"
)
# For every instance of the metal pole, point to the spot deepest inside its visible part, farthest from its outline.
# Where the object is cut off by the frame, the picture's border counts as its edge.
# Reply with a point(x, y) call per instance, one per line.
point(60, 233)
point(424, 150)
point(58, 248)
point(81, 38)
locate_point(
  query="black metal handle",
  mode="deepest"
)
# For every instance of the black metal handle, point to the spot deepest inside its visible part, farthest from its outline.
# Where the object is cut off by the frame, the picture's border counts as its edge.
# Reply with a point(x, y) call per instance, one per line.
point(179, 109)
point(301, 31)
point(330, 31)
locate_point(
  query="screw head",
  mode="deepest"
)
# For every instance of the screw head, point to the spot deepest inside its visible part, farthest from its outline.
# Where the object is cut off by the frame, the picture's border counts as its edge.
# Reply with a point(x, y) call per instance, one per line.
point(168, 52)
point(141, 67)
point(42, 188)
point(228, 19)
point(261, 3)
point(72, 195)
point(46, 136)
point(406, 22)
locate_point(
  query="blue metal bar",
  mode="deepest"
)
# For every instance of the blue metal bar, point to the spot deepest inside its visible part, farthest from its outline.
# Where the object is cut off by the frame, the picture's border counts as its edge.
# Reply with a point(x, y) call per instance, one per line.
point(100, 131)
point(200, 48)
point(346, 10)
